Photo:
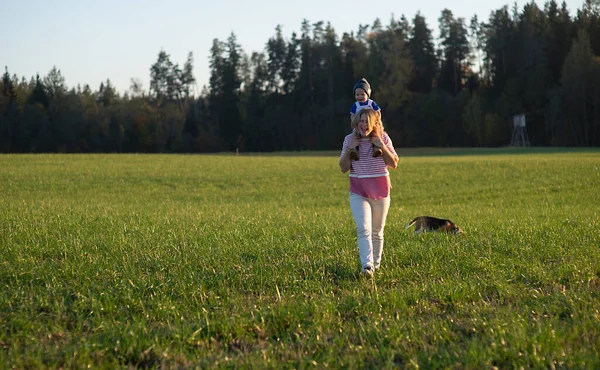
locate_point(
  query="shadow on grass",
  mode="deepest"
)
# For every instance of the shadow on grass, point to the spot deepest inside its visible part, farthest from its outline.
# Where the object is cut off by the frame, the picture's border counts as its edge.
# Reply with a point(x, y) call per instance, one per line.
point(338, 272)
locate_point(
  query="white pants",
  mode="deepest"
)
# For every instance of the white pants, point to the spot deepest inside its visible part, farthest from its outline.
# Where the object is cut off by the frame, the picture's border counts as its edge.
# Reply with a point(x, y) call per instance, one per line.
point(369, 216)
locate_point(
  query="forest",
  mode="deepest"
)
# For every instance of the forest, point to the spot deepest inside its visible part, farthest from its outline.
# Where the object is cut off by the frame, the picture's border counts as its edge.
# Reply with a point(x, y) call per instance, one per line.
point(460, 87)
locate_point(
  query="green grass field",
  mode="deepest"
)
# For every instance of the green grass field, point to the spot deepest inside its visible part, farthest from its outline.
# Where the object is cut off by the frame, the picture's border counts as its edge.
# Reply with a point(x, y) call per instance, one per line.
point(179, 261)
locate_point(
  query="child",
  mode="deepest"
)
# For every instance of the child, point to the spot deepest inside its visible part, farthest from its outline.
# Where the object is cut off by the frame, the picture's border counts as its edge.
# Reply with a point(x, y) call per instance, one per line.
point(362, 93)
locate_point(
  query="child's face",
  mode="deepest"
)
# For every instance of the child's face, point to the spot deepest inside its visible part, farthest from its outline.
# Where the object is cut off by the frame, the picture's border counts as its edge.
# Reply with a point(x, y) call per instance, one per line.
point(360, 95)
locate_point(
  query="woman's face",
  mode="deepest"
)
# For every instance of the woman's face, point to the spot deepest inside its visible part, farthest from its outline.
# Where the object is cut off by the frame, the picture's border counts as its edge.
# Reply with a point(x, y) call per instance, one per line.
point(363, 126)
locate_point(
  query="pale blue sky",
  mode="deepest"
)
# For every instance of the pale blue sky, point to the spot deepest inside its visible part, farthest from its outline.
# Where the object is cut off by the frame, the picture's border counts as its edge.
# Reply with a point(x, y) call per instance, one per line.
point(90, 41)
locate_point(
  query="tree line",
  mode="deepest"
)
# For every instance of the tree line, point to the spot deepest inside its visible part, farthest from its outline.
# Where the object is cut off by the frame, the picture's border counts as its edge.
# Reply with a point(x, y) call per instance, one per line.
point(461, 88)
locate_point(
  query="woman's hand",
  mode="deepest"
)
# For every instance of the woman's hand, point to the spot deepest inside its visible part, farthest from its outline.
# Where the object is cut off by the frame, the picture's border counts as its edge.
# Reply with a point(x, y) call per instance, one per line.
point(354, 142)
point(376, 140)
point(390, 159)
point(345, 161)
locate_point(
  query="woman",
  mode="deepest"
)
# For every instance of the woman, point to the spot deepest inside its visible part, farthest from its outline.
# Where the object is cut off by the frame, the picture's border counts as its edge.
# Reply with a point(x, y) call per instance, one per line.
point(369, 184)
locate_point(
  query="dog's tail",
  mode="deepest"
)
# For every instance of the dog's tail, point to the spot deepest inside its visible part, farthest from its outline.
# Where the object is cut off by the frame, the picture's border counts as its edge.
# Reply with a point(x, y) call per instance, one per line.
point(410, 223)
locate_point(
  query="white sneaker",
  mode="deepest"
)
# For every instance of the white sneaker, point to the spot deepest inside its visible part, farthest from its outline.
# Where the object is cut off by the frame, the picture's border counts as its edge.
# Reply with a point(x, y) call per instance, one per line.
point(368, 271)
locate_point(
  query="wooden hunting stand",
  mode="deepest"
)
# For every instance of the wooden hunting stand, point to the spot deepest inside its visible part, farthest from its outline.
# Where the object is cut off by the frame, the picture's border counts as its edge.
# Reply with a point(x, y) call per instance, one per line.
point(519, 134)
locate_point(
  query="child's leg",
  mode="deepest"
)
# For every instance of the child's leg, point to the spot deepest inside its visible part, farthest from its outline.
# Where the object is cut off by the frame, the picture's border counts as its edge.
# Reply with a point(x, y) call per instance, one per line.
point(377, 152)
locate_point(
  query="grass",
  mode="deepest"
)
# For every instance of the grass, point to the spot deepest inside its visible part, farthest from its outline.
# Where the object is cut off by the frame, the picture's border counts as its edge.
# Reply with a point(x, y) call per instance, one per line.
point(178, 261)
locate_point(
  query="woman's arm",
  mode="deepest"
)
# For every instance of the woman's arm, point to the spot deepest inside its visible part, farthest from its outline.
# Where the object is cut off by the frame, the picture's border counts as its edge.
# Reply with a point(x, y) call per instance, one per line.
point(345, 160)
point(390, 159)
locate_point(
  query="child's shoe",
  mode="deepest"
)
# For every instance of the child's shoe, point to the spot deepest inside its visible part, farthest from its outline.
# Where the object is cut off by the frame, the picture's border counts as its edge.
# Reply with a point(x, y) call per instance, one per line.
point(354, 154)
point(377, 152)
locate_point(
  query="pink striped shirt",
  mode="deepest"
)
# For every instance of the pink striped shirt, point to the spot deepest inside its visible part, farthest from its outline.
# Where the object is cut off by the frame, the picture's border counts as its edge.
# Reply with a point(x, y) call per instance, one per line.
point(369, 177)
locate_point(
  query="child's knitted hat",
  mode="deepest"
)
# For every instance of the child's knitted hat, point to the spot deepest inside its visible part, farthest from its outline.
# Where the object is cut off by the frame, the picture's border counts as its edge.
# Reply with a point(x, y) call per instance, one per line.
point(363, 84)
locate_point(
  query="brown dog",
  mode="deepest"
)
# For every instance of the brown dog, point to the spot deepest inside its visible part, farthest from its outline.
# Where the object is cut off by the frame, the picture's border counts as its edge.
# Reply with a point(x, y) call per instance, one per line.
point(428, 223)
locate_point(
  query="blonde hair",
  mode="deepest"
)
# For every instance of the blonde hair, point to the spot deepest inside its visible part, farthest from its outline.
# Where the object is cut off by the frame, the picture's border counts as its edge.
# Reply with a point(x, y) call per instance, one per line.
point(373, 121)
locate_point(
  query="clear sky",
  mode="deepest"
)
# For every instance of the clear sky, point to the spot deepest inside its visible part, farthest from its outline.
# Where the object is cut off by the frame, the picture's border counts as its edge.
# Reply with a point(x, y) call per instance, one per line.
point(90, 41)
